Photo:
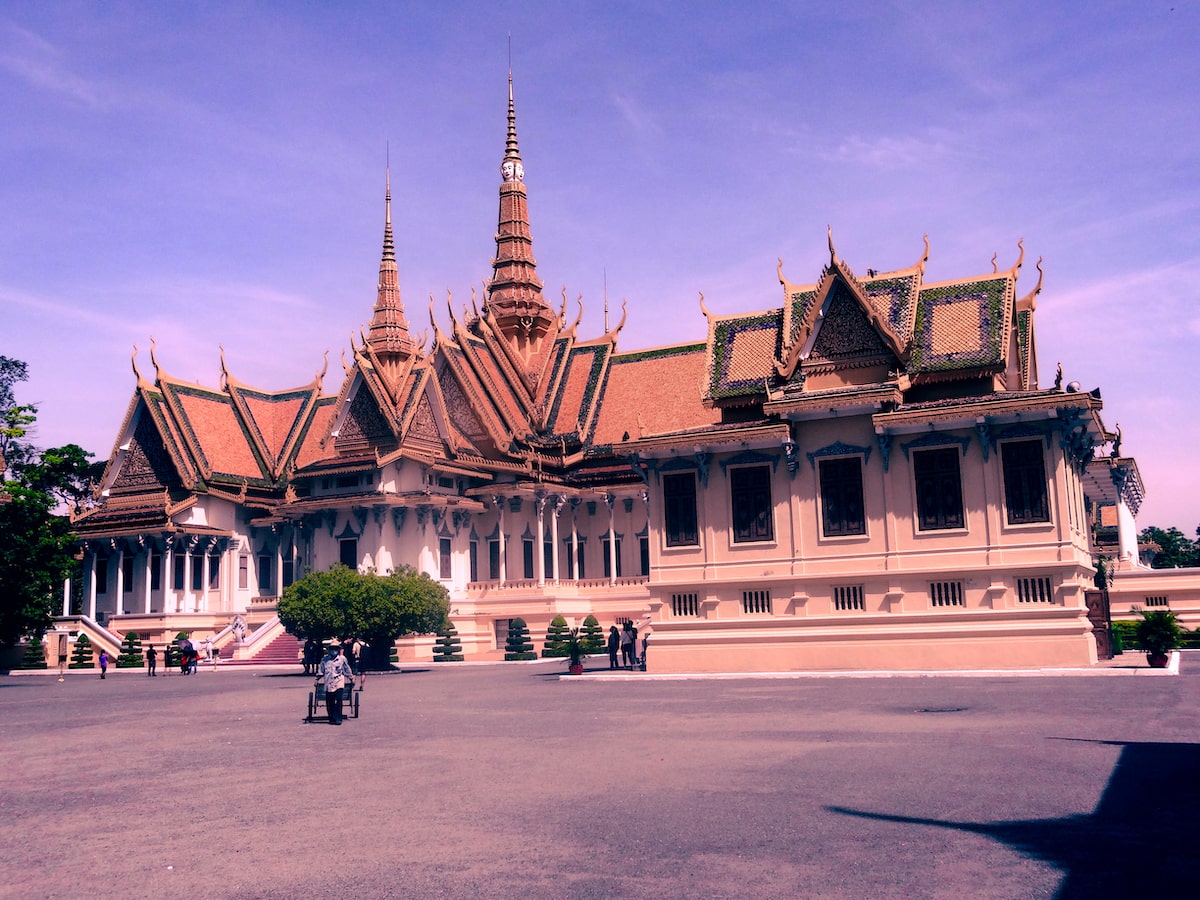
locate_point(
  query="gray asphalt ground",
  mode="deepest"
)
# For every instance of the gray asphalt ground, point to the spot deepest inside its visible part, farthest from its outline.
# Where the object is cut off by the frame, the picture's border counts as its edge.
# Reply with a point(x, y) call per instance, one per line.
point(505, 781)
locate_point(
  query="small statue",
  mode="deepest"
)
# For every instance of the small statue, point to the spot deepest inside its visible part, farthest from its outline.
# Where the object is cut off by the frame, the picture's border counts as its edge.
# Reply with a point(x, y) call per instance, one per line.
point(1058, 378)
point(1116, 443)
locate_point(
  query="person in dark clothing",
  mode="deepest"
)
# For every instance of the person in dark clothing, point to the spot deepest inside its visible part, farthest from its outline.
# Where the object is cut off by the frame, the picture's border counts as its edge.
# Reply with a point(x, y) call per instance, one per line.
point(614, 647)
point(151, 661)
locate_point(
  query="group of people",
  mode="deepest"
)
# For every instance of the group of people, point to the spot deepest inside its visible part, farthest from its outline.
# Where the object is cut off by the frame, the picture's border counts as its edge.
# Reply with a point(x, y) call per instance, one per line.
point(631, 648)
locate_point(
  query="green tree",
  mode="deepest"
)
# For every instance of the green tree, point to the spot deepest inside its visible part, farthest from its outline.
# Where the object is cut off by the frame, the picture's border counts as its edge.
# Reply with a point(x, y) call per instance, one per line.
point(343, 603)
point(448, 647)
point(81, 655)
point(131, 652)
point(1169, 548)
point(592, 636)
point(35, 543)
point(518, 645)
point(556, 638)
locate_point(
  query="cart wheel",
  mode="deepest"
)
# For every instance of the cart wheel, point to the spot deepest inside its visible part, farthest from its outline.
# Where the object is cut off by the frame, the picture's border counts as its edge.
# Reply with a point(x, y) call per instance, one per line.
point(355, 703)
point(311, 706)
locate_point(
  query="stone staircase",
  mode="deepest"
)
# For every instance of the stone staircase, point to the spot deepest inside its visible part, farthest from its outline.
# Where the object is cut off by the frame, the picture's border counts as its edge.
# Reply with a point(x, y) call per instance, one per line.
point(283, 650)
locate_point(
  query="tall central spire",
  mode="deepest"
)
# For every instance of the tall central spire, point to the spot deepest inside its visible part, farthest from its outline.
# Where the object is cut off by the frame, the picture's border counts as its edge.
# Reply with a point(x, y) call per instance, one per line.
point(514, 300)
point(388, 332)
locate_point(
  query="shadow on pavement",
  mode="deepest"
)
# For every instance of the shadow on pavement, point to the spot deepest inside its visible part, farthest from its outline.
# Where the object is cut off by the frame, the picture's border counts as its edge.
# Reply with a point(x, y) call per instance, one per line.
point(1140, 839)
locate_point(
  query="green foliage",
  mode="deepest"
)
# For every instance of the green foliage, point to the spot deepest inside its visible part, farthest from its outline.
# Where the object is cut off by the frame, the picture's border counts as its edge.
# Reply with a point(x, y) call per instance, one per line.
point(575, 649)
point(518, 645)
point(131, 652)
point(556, 638)
point(81, 656)
point(35, 654)
point(448, 647)
point(1159, 631)
point(35, 544)
point(1168, 548)
point(593, 636)
point(343, 603)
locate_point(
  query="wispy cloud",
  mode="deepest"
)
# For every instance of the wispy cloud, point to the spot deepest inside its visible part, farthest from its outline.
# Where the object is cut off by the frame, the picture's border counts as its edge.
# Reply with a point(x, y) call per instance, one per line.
point(637, 116)
point(887, 152)
point(39, 63)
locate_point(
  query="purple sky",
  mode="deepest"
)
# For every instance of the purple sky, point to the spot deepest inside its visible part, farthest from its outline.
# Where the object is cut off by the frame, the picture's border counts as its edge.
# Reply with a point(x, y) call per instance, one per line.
point(213, 176)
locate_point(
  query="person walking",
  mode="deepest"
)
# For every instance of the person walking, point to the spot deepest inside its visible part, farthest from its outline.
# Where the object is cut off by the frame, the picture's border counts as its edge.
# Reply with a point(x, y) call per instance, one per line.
point(151, 661)
point(614, 647)
point(335, 669)
point(103, 663)
point(627, 646)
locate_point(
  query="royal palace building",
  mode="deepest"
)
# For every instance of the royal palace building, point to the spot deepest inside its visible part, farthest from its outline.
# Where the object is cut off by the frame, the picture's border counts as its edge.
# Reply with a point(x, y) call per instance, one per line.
point(862, 471)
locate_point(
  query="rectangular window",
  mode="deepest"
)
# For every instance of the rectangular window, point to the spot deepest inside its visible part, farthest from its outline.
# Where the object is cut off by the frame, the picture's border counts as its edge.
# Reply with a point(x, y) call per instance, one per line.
point(494, 560)
point(750, 492)
point(756, 602)
point(946, 593)
point(842, 497)
point(1161, 601)
point(289, 568)
point(1034, 590)
point(197, 572)
point(502, 633)
point(473, 552)
point(177, 575)
point(579, 561)
point(444, 560)
point(348, 552)
point(644, 554)
point(127, 575)
point(939, 489)
point(685, 605)
point(548, 560)
point(156, 562)
point(527, 558)
point(214, 572)
point(243, 572)
point(848, 597)
point(1025, 482)
point(608, 559)
point(101, 575)
point(266, 565)
point(679, 506)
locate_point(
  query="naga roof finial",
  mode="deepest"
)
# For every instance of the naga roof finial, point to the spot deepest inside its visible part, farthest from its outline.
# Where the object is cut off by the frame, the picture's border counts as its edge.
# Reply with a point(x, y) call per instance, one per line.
point(829, 237)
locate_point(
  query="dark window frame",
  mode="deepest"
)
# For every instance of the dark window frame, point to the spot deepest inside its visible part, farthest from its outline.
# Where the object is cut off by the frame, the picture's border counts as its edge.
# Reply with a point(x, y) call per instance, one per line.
point(1026, 494)
point(680, 521)
point(751, 505)
point(937, 476)
point(843, 512)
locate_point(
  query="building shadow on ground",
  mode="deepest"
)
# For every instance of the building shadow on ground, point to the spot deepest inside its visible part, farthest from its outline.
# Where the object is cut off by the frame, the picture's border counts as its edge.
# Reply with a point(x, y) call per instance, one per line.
point(1141, 838)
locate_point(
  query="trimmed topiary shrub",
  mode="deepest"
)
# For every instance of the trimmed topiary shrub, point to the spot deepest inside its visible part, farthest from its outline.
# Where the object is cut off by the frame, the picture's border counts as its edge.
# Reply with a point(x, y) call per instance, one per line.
point(81, 656)
point(518, 645)
point(131, 652)
point(448, 647)
point(556, 638)
point(592, 636)
point(35, 654)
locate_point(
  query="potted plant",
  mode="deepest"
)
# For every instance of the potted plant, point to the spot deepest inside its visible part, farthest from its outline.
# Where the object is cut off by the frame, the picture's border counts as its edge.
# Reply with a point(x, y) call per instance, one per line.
point(575, 652)
point(1158, 634)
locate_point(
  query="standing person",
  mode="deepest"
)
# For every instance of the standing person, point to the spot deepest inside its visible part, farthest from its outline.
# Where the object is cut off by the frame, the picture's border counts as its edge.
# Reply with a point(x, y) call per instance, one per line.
point(103, 663)
point(362, 656)
point(633, 644)
point(310, 656)
point(335, 670)
point(151, 661)
point(627, 645)
point(614, 646)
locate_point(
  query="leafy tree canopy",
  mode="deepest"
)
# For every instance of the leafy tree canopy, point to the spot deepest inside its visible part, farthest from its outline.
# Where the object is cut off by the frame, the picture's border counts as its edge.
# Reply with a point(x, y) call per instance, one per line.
point(1169, 548)
point(377, 608)
point(35, 543)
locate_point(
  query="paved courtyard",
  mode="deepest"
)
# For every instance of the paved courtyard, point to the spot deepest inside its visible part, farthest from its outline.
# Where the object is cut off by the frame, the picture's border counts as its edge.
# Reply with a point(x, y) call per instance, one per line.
point(503, 781)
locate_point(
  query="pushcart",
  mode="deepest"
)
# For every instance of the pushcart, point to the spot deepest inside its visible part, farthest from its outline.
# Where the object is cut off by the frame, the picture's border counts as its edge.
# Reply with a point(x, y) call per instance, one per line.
point(316, 702)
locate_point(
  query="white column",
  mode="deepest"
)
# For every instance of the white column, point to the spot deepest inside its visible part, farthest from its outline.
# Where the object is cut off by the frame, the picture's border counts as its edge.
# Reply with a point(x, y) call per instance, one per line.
point(574, 542)
point(149, 570)
point(188, 562)
point(66, 597)
point(278, 568)
point(539, 506)
point(500, 531)
point(120, 604)
point(558, 505)
point(91, 588)
point(168, 583)
point(612, 540)
point(202, 599)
